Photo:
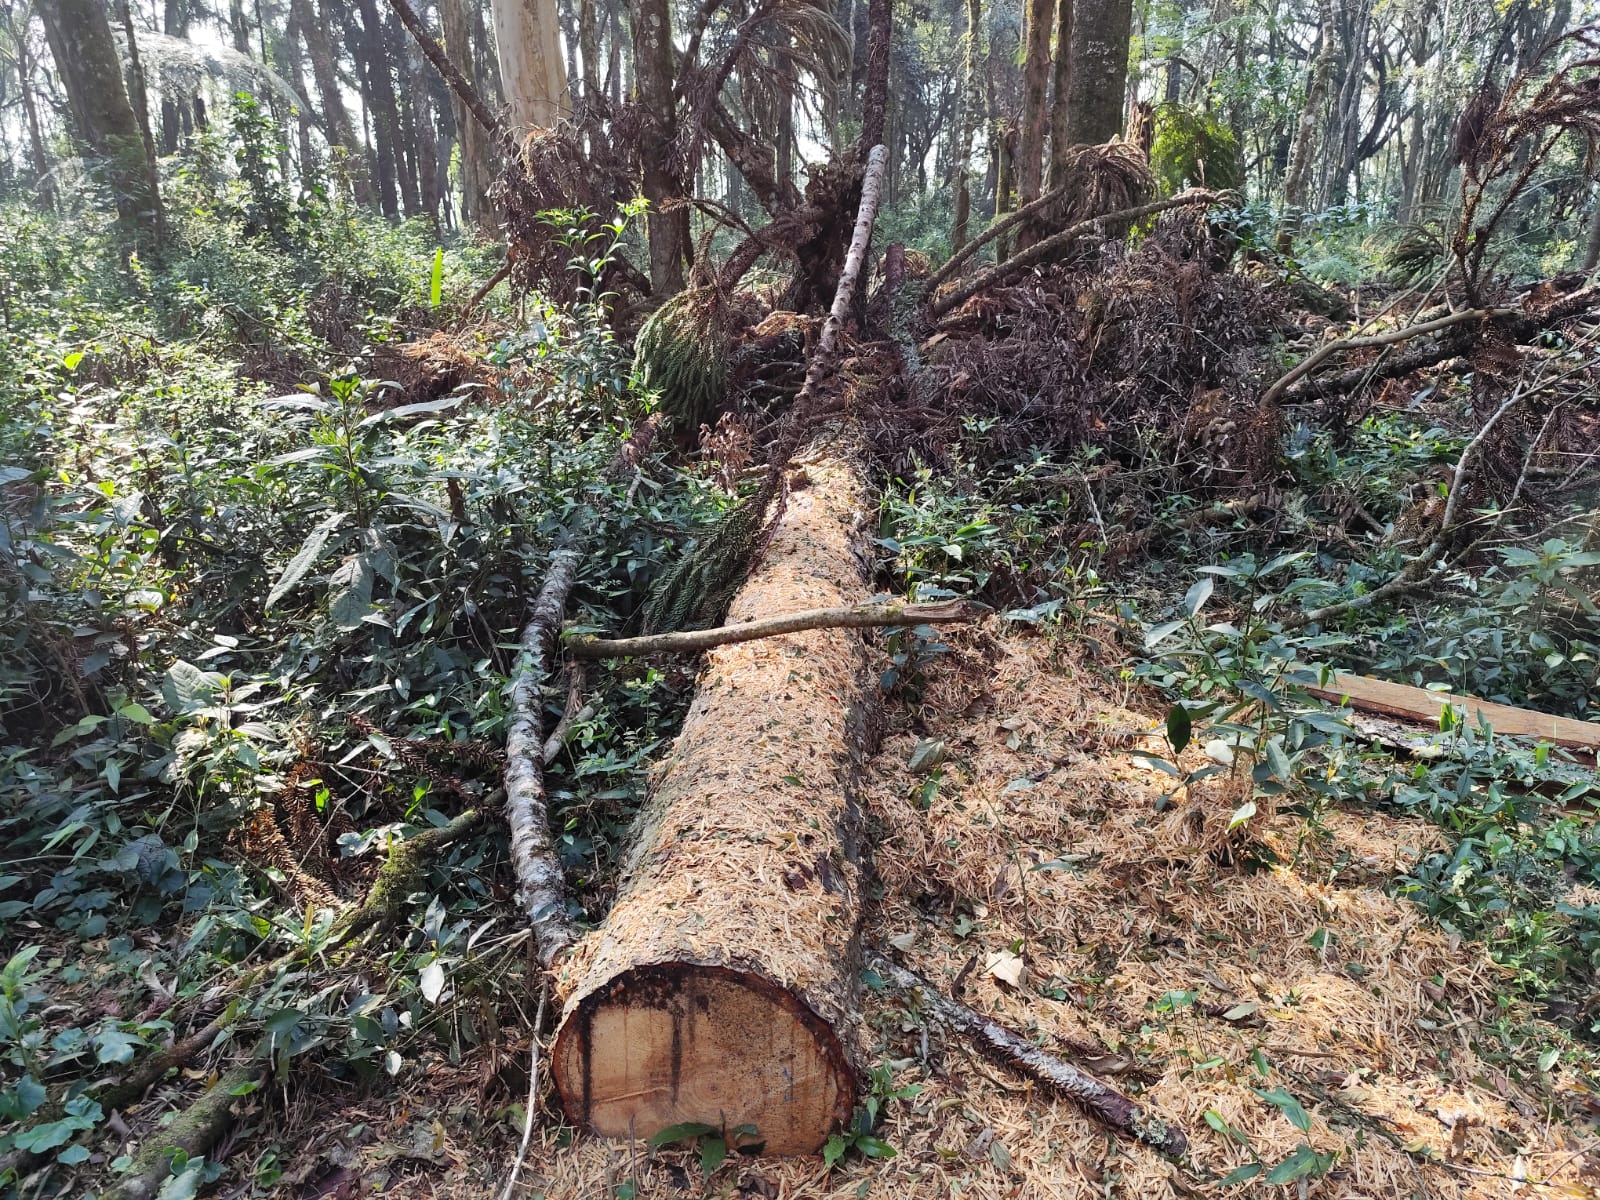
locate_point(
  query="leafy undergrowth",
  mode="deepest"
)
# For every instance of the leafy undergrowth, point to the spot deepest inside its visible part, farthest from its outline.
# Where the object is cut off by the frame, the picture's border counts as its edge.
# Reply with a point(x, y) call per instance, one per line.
point(257, 614)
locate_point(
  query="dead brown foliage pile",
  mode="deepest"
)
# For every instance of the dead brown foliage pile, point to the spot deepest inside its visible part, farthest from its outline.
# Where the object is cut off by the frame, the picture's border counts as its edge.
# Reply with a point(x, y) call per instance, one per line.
point(1145, 352)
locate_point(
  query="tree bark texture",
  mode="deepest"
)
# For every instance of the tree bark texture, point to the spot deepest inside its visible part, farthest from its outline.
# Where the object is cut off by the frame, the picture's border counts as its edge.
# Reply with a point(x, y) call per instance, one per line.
point(1035, 84)
point(666, 226)
point(528, 40)
point(1098, 75)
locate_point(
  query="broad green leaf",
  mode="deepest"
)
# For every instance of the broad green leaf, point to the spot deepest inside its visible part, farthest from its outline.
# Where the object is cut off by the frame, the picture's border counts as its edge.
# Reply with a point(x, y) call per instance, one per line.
point(1198, 594)
point(1304, 1161)
point(305, 559)
point(431, 981)
point(1241, 1174)
point(436, 281)
point(713, 1153)
point(1179, 727)
point(683, 1132)
point(1161, 632)
point(350, 598)
point(1288, 1105)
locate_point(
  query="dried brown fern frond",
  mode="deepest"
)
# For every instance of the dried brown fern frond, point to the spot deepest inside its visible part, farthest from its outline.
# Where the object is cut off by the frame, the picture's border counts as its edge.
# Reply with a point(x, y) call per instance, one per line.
point(1502, 140)
point(583, 183)
point(1104, 179)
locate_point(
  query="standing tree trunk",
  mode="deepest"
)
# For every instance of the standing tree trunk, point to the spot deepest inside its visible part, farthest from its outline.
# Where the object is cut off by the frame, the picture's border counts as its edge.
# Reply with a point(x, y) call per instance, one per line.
point(1061, 87)
point(527, 37)
point(44, 187)
point(336, 124)
point(1035, 84)
point(103, 121)
point(971, 111)
point(1297, 178)
point(476, 172)
point(666, 225)
point(379, 82)
point(1097, 78)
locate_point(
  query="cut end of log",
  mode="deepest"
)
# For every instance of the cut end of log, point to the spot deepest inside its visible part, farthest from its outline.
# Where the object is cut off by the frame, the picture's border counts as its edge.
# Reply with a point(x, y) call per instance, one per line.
point(669, 1043)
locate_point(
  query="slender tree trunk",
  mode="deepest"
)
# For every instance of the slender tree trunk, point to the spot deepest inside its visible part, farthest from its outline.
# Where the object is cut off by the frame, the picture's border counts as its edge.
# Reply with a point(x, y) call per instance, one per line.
point(1061, 90)
point(425, 134)
point(1297, 179)
point(589, 54)
point(1591, 247)
point(385, 117)
point(667, 227)
point(971, 111)
point(294, 59)
point(527, 37)
point(316, 29)
point(476, 173)
point(1035, 85)
point(44, 187)
point(103, 119)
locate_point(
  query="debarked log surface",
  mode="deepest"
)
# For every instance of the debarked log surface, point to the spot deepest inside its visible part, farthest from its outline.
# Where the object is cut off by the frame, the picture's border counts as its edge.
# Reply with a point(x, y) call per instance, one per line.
point(724, 985)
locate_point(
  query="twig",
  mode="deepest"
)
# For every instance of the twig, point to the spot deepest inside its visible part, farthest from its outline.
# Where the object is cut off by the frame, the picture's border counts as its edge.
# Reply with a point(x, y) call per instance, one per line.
point(533, 1091)
point(859, 616)
point(1009, 1049)
point(1040, 251)
point(1421, 572)
point(575, 711)
point(478, 296)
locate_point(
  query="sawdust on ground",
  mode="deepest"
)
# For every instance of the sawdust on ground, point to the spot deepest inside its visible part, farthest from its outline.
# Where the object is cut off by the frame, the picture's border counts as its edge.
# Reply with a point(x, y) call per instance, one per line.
point(1038, 866)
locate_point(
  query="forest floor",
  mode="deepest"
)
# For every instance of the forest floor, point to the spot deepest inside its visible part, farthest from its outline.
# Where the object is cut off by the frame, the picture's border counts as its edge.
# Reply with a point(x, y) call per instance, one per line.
point(1052, 877)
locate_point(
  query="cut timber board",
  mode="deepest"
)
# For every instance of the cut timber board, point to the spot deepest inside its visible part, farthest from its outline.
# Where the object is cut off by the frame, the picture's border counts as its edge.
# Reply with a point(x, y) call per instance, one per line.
point(1417, 704)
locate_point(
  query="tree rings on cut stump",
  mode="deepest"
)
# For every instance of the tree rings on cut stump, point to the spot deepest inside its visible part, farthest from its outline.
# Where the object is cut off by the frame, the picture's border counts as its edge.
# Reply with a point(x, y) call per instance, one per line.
point(670, 1043)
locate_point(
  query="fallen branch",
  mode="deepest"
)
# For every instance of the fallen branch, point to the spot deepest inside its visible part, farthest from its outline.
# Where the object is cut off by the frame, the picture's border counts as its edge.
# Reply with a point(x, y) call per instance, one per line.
point(1372, 341)
point(1426, 569)
point(1040, 251)
point(1007, 222)
point(195, 1131)
point(859, 616)
point(541, 882)
point(435, 54)
point(1012, 1050)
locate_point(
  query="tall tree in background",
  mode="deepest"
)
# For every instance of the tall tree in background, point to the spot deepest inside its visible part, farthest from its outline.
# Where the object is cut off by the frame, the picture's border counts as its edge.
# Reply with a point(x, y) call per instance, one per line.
point(971, 113)
point(667, 224)
point(527, 37)
point(1035, 86)
point(476, 172)
point(103, 121)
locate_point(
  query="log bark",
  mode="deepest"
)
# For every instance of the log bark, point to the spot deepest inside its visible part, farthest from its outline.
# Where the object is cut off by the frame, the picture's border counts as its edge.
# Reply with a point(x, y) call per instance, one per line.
point(1010, 1049)
point(724, 986)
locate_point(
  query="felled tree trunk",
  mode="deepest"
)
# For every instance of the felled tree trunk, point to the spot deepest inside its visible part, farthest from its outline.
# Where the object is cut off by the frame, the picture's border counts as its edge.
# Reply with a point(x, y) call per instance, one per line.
point(725, 984)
